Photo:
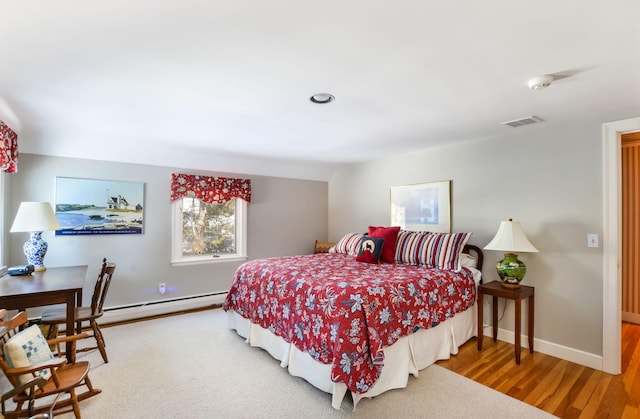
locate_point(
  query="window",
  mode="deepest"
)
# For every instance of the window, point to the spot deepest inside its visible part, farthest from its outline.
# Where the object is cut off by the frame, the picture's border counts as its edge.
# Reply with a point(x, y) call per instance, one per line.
point(204, 232)
point(209, 221)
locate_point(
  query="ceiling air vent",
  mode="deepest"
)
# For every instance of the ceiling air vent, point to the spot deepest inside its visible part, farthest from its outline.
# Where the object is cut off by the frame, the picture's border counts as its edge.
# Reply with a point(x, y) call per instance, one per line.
point(523, 121)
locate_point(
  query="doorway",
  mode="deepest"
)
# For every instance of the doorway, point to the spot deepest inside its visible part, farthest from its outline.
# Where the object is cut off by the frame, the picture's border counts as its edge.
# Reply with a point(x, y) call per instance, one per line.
point(612, 243)
point(630, 211)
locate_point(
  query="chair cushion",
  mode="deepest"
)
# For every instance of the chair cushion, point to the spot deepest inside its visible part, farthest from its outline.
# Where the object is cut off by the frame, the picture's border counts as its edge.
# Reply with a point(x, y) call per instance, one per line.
point(27, 348)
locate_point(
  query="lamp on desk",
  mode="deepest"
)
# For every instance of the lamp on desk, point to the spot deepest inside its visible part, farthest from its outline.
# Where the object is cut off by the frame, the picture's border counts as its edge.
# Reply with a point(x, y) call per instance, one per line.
point(510, 238)
point(35, 217)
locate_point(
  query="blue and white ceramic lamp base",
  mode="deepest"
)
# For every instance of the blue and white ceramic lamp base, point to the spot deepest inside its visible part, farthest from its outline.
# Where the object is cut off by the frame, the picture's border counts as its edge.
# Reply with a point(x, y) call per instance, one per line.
point(34, 249)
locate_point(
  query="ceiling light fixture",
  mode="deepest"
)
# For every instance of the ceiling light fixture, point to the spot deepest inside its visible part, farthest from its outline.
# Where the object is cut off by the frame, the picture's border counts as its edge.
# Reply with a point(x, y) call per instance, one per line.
point(322, 98)
point(540, 82)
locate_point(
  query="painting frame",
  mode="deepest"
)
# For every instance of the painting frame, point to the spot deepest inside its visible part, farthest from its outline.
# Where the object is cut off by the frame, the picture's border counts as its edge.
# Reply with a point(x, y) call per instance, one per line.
point(422, 207)
point(96, 206)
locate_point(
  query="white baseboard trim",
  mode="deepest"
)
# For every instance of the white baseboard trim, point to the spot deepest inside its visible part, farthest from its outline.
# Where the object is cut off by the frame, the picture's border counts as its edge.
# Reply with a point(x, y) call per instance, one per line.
point(155, 308)
point(549, 348)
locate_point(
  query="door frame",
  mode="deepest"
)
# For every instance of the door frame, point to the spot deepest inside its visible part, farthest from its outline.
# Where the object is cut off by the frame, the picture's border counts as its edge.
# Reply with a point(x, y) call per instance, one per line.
point(612, 242)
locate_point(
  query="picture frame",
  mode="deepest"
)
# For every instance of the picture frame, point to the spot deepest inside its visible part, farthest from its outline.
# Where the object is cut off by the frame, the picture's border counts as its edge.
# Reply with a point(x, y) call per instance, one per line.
point(93, 206)
point(422, 207)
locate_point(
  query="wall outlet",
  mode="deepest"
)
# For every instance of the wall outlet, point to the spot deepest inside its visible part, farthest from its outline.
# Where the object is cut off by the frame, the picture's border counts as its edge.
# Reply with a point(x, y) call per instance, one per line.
point(162, 288)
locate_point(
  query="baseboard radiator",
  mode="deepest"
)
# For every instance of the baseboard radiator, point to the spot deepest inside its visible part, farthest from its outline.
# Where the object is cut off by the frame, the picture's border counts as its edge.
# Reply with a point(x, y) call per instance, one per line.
point(155, 308)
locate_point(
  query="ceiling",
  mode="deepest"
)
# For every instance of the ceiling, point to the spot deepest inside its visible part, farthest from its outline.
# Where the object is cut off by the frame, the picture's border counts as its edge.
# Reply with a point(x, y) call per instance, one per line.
point(224, 85)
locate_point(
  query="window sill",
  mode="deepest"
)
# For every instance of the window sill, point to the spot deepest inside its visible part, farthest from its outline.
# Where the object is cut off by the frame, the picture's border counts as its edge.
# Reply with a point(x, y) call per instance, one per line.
point(208, 259)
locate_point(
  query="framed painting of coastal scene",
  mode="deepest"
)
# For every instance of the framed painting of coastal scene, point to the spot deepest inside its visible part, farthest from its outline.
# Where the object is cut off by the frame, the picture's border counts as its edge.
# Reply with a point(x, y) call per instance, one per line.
point(422, 207)
point(91, 206)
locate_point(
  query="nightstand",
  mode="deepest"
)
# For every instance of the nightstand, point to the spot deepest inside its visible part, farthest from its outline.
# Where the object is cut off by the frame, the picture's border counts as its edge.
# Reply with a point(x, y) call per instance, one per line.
point(495, 289)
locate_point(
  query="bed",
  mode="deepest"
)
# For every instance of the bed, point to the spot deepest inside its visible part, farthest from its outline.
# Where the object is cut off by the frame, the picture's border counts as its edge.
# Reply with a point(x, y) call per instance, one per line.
point(346, 323)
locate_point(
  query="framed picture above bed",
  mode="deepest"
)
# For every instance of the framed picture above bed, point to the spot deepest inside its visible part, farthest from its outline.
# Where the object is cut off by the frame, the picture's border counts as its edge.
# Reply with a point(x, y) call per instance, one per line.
point(422, 207)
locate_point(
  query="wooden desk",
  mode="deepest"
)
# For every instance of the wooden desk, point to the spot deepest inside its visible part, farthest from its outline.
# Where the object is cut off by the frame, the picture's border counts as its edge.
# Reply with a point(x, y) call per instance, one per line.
point(496, 290)
point(53, 286)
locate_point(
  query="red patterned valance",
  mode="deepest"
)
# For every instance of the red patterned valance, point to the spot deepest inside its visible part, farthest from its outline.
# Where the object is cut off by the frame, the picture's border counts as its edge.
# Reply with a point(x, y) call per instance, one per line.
point(210, 189)
point(8, 149)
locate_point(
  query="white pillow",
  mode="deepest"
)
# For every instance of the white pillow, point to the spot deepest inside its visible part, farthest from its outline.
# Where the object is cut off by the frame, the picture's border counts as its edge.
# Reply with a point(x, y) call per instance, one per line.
point(467, 260)
point(27, 348)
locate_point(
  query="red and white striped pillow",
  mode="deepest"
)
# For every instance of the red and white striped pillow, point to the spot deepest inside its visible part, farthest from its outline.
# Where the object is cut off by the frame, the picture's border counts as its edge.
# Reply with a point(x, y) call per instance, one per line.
point(444, 249)
point(349, 244)
point(410, 246)
point(432, 250)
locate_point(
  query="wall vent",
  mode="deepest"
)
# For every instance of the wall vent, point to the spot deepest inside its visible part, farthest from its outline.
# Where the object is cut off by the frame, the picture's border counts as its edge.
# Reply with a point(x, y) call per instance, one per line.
point(523, 121)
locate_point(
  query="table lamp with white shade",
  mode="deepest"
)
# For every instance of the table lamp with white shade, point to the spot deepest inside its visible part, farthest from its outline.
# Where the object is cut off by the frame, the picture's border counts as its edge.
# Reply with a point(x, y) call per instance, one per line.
point(511, 239)
point(35, 217)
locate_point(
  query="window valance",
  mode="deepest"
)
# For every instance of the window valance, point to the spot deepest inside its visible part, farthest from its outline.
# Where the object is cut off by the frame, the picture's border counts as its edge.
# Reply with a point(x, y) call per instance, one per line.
point(8, 149)
point(210, 189)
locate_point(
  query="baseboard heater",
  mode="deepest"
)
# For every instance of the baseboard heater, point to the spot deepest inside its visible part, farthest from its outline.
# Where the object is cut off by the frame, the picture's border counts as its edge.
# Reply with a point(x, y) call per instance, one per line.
point(155, 308)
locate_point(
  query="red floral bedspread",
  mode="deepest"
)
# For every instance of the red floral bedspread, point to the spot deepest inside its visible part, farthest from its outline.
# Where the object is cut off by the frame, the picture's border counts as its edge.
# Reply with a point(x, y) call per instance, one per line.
point(343, 312)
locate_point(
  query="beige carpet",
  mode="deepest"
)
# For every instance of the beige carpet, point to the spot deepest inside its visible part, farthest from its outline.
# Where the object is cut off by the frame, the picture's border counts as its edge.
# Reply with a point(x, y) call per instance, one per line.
point(192, 366)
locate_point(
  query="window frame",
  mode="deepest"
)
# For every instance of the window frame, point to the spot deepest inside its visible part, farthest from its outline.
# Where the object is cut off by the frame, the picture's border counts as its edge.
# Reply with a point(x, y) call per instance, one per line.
point(3, 211)
point(178, 259)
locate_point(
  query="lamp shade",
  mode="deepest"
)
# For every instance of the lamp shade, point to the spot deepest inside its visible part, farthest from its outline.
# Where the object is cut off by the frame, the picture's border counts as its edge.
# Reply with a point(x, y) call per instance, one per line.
point(510, 238)
point(34, 217)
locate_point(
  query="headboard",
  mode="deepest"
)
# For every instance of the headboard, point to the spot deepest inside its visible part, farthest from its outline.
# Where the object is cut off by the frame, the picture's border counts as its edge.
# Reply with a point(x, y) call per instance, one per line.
point(474, 250)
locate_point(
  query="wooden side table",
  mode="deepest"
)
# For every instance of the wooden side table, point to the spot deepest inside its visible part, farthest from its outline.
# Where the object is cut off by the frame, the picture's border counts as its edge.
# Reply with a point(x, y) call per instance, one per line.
point(496, 290)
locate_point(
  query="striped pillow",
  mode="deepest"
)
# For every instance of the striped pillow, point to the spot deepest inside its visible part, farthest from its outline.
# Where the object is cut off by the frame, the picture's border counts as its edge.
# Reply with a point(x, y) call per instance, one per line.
point(442, 250)
point(349, 244)
point(410, 247)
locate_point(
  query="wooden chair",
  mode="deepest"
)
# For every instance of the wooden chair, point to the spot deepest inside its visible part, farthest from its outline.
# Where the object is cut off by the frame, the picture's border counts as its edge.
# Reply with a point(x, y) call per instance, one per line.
point(34, 389)
point(28, 387)
point(57, 316)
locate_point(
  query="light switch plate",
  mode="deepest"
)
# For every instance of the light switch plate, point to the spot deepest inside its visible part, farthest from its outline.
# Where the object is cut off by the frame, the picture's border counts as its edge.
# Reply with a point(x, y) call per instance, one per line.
point(592, 240)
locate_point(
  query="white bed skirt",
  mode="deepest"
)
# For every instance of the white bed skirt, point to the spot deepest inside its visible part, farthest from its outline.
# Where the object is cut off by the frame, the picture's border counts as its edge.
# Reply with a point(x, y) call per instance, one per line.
point(407, 356)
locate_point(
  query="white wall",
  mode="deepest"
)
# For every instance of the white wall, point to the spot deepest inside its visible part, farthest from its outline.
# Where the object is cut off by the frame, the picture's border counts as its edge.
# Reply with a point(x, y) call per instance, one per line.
point(548, 177)
point(285, 217)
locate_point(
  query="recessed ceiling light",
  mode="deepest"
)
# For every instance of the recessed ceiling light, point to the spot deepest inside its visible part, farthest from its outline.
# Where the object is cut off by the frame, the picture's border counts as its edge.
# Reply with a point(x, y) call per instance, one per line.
point(322, 98)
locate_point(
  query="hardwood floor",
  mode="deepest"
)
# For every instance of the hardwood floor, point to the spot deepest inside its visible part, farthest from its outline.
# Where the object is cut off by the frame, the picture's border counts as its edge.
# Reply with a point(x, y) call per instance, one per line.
point(559, 387)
